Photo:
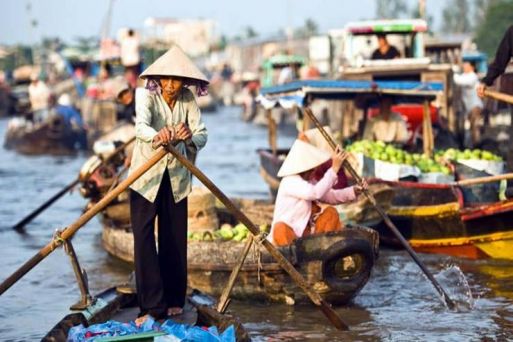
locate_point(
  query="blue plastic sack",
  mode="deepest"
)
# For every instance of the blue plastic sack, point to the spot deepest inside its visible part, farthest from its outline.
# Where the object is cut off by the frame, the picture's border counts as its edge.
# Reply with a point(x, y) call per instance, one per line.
point(175, 331)
point(188, 333)
point(108, 329)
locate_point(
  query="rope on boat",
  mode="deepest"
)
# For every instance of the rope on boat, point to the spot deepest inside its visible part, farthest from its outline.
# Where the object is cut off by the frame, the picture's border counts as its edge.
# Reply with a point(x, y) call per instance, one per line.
point(57, 240)
point(257, 252)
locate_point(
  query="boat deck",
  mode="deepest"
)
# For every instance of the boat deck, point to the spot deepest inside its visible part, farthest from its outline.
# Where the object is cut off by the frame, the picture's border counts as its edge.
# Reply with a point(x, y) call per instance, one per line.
point(128, 314)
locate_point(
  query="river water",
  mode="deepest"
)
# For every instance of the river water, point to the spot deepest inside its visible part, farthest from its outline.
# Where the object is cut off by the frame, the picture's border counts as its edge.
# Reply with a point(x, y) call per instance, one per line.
point(398, 303)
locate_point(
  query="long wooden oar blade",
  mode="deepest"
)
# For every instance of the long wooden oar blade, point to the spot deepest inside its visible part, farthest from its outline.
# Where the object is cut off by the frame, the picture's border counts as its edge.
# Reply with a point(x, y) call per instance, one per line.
point(445, 297)
point(334, 318)
point(19, 226)
point(82, 220)
point(499, 96)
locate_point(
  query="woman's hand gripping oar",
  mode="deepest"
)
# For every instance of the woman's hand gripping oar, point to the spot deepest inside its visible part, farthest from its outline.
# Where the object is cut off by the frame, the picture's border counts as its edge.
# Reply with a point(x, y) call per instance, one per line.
point(74, 227)
point(19, 226)
point(445, 297)
point(326, 308)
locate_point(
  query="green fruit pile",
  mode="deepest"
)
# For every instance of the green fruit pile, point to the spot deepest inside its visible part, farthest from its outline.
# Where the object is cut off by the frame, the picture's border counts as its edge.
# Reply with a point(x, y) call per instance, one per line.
point(379, 150)
point(476, 154)
point(225, 233)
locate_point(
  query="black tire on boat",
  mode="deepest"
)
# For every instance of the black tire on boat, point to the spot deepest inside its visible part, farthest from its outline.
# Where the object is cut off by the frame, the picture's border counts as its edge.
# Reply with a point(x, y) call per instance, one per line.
point(340, 278)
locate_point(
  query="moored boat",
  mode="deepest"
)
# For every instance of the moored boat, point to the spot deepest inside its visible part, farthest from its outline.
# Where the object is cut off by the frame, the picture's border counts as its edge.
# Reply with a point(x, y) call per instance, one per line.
point(52, 136)
point(112, 305)
point(435, 219)
point(337, 265)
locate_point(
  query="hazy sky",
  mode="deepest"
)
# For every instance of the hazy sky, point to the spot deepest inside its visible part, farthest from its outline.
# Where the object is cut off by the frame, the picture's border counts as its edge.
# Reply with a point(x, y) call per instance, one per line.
point(68, 19)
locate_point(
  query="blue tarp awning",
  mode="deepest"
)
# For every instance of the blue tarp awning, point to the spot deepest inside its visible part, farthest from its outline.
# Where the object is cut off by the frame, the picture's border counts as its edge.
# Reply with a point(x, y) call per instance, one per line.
point(294, 93)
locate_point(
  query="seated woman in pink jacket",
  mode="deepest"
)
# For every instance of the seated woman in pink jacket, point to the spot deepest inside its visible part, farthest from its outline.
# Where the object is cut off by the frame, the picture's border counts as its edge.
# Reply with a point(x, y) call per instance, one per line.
point(296, 212)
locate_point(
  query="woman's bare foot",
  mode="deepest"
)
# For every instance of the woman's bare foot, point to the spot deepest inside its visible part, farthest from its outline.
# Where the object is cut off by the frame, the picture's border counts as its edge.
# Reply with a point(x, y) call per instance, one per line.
point(140, 320)
point(174, 311)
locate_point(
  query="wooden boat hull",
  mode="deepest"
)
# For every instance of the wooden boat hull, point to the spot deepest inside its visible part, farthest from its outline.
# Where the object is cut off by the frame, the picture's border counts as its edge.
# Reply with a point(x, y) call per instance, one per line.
point(112, 305)
point(337, 265)
point(434, 219)
point(270, 165)
point(46, 138)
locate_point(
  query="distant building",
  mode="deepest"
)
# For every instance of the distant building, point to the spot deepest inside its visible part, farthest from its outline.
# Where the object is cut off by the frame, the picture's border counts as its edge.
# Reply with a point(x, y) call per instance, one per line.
point(194, 36)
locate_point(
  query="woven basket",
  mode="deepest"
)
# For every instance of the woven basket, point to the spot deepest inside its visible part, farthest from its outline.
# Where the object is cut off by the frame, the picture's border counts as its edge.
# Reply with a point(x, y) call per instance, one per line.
point(202, 213)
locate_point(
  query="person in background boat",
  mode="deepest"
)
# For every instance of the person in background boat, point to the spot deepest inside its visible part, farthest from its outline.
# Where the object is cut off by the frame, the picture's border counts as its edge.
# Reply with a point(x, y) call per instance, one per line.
point(125, 96)
point(297, 210)
point(71, 116)
point(227, 90)
point(468, 81)
point(309, 72)
point(385, 50)
point(289, 73)
point(387, 126)
point(502, 58)
point(166, 112)
point(103, 89)
point(39, 94)
point(131, 57)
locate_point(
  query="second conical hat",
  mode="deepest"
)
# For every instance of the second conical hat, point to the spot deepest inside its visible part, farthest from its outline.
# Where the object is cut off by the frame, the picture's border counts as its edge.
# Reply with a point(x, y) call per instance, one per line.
point(302, 157)
point(174, 63)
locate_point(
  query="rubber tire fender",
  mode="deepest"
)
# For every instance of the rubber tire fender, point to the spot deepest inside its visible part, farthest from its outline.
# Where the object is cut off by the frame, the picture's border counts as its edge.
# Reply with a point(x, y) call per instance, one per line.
point(342, 249)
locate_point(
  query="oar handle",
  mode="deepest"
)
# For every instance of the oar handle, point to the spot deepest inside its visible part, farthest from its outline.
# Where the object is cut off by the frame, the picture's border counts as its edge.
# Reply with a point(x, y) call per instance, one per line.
point(284, 263)
point(388, 222)
point(88, 215)
point(498, 96)
point(481, 180)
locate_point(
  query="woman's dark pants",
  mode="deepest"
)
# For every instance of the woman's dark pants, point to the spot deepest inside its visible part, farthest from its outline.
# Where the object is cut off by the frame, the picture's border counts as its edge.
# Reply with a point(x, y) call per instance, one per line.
point(161, 277)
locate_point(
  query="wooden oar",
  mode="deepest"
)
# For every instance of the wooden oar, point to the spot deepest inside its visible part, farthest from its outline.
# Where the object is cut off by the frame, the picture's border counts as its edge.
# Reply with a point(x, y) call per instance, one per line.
point(499, 96)
point(224, 300)
point(384, 216)
point(19, 226)
point(74, 227)
point(326, 308)
point(481, 180)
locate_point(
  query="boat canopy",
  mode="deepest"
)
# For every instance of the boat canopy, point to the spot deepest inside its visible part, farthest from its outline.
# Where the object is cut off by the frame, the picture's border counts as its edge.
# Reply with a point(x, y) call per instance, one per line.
point(284, 60)
point(398, 26)
point(295, 93)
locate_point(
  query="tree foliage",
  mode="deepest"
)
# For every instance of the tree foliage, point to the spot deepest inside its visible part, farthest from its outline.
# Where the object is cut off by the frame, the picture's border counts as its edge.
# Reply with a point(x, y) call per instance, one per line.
point(455, 17)
point(390, 9)
point(497, 18)
point(310, 28)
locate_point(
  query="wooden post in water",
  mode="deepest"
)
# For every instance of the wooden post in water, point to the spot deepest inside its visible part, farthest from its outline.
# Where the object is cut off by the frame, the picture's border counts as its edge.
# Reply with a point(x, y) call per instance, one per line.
point(427, 130)
point(271, 125)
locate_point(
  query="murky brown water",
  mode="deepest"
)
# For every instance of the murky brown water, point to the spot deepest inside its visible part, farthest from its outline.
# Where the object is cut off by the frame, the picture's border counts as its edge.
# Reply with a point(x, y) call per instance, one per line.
point(398, 303)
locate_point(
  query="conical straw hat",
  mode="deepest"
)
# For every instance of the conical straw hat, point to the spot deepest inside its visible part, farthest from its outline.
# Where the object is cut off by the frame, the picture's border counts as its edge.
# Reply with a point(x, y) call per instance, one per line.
point(174, 63)
point(302, 157)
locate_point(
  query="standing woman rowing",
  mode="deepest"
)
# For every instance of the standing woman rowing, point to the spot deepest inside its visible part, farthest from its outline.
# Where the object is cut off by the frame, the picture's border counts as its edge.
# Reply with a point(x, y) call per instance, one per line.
point(166, 112)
